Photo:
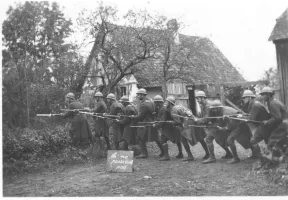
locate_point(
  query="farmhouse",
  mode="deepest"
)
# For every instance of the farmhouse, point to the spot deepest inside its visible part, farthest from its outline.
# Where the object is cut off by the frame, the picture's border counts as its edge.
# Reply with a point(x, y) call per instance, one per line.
point(208, 69)
point(279, 36)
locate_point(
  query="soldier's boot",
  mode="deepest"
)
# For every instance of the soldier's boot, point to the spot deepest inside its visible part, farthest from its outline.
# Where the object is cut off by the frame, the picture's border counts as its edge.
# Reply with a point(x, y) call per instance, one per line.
point(180, 154)
point(235, 158)
point(166, 156)
point(107, 143)
point(117, 147)
point(204, 145)
point(211, 158)
point(255, 152)
point(143, 148)
point(161, 149)
point(187, 149)
point(228, 153)
point(123, 145)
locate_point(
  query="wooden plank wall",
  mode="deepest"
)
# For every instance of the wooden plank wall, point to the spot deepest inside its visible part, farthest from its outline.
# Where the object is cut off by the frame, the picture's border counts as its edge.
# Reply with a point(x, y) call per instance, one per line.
point(282, 62)
point(178, 90)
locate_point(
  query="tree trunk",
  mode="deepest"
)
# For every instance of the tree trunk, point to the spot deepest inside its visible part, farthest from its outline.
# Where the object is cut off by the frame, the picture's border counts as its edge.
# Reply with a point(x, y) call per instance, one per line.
point(164, 90)
point(94, 53)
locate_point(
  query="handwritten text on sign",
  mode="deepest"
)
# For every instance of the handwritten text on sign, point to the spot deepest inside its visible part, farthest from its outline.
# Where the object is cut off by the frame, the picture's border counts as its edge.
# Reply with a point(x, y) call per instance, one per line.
point(120, 161)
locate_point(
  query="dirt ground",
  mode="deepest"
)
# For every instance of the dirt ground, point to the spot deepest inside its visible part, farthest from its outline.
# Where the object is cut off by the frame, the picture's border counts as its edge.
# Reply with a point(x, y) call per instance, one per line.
point(172, 178)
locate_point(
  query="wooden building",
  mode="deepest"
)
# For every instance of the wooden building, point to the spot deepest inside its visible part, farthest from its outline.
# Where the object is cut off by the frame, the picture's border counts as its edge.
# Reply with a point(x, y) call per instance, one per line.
point(208, 70)
point(279, 36)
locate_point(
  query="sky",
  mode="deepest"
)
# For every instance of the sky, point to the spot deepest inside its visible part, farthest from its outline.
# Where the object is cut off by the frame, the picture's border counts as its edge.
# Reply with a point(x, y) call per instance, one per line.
point(240, 29)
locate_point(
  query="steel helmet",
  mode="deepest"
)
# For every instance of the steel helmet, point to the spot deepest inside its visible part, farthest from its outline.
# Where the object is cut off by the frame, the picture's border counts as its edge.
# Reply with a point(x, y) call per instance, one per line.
point(266, 90)
point(158, 98)
point(200, 94)
point(98, 94)
point(216, 104)
point(111, 96)
point(141, 91)
point(70, 95)
point(171, 99)
point(124, 99)
point(248, 93)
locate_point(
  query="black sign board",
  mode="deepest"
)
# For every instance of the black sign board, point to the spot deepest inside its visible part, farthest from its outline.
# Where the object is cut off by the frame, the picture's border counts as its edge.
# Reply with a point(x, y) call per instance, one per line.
point(119, 161)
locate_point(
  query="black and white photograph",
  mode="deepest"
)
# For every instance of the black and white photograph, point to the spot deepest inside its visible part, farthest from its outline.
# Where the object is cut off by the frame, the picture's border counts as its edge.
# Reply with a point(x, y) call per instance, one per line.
point(149, 98)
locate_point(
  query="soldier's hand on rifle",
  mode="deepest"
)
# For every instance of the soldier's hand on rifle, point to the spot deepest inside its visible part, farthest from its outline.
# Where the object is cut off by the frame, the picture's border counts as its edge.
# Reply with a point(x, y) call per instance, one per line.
point(221, 128)
point(132, 116)
point(117, 120)
point(265, 122)
point(239, 116)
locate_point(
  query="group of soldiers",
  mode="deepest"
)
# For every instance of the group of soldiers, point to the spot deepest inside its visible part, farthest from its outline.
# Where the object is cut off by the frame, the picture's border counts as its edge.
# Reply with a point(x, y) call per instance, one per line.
point(160, 121)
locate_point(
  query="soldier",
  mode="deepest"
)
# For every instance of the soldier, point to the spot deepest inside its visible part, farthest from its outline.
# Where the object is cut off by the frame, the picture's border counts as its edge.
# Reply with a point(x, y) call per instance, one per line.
point(240, 130)
point(129, 136)
point(115, 128)
point(167, 130)
point(217, 110)
point(202, 100)
point(146, 110)
point(278, 123)
point(100, 124)
point(79, 128)
point(248, 98)
point(258, 112)
point(178, 114)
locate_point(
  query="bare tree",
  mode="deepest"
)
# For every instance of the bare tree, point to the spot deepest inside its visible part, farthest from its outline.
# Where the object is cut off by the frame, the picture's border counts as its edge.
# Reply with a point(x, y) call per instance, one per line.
point(123, 47)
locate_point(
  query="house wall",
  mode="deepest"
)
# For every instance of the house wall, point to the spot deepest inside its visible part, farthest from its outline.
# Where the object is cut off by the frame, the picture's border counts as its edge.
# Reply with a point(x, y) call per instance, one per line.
point(282, 63)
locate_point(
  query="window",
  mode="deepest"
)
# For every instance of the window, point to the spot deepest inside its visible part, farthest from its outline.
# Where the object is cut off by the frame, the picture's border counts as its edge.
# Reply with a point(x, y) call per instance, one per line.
point(123, 91)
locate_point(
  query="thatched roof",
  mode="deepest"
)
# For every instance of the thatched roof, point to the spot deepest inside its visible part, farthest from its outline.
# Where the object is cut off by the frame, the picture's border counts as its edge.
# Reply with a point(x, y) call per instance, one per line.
point(280, 30)
point(208, 65)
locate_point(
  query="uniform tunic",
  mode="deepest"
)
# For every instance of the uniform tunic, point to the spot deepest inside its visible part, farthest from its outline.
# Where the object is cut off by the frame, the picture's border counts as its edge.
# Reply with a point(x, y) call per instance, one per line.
point(100, 124)
point(220, 136)
point(278, 121)
point(129, 133)
point(115, 128)
point(204, 113)
point(259, 131)
point(79, 128)
point(183, 125)
point(145, 114)
point(169, 132)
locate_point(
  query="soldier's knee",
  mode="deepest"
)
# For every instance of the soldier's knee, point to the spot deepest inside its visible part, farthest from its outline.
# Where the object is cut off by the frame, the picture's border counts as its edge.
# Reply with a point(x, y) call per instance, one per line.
point(209, 140)
point(253, 141)
point(230, 141)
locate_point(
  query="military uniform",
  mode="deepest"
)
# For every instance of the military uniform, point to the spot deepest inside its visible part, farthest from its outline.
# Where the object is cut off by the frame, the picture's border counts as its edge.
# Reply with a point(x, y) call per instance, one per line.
point(188, 135)
point(201, 132)
point(278, 122)
point(79, 128)
point(115, 128)
point(145, 114)
point(220, 136)
point(100, 124)
point(129, 133)
point(260, 131)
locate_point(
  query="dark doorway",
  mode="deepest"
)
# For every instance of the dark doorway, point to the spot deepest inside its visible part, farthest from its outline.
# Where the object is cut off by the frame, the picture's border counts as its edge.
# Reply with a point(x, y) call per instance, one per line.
point(191, 96)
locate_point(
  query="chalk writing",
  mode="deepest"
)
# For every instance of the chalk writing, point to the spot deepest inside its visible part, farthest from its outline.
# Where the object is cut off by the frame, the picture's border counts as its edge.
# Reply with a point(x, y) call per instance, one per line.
point(120, 161)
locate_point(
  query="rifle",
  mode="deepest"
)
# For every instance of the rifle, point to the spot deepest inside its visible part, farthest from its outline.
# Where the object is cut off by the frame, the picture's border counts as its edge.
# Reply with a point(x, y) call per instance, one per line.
point(246, 120)
point(137, 126)
point(155, 122)
point(93, 114)
point(76, 110)
point(202, 126)
point(185, 117)
point(47, 115)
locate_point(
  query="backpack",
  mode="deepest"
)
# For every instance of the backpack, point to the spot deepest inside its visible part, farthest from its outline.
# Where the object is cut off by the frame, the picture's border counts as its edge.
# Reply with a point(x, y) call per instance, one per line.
point(185, 110)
